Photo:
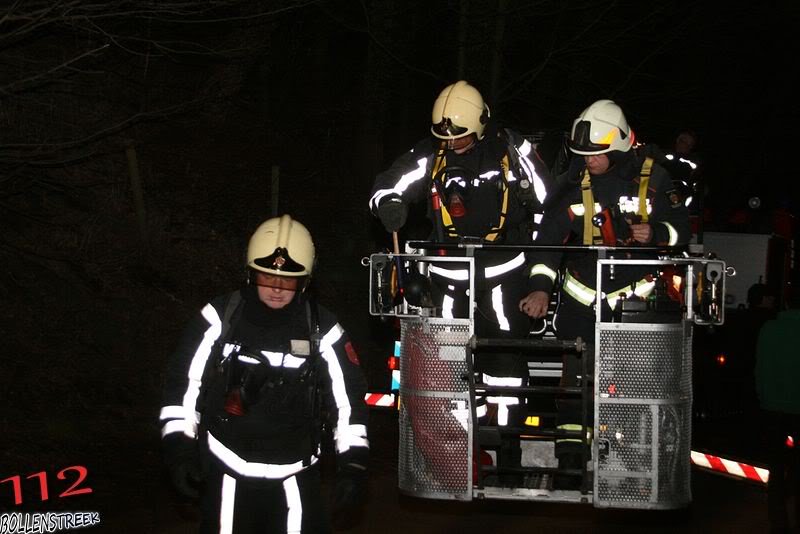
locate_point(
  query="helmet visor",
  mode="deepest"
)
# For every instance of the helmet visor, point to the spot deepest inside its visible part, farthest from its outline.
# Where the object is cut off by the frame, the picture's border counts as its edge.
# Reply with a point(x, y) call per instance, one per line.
point(582, 140)
point(280, 261)
point(291, 283)
point(446, 128)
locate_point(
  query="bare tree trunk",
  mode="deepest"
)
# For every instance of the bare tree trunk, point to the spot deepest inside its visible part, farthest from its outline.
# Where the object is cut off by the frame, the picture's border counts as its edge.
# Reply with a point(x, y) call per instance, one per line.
point(463, 11)
point(497, 56)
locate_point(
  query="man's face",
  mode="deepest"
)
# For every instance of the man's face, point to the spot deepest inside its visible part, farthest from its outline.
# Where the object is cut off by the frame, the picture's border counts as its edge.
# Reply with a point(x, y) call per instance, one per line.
point(597, 164)
point(462, 144)
point(275, 292)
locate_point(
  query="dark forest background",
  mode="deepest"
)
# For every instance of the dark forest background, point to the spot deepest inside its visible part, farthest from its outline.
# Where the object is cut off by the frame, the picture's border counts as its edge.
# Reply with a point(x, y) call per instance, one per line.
point(139, 141)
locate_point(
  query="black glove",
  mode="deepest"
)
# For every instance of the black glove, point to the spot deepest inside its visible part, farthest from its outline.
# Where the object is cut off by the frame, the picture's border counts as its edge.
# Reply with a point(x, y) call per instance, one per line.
point(182, 460)
point(350, 491)
point(393, 213)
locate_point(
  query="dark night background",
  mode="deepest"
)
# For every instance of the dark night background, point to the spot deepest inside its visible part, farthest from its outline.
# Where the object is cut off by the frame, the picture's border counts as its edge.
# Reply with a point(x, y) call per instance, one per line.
point(202, 99)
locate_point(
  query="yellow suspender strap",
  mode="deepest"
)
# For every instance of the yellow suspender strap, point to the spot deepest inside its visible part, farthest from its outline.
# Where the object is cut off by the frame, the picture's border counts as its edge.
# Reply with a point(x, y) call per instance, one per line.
point(492, 235)
point(644, 179)
point(447, 221)
point(590, 231)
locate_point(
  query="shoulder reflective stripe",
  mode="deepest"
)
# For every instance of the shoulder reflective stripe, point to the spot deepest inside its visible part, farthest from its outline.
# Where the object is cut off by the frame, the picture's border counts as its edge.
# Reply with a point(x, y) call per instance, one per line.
point(253, 469)
point(578, 291)
point(503, 268)
point(577, 209)
point(402, 184)
point(673, 234)
point(525, 148)
point(489, 174)
point(497, 305)
point(450, 274)
point(538, 184)
point(542, 269)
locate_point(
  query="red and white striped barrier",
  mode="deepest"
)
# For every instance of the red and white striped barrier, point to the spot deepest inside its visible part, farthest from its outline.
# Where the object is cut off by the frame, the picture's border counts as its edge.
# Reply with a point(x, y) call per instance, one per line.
point(739, 469)
point(379, 399)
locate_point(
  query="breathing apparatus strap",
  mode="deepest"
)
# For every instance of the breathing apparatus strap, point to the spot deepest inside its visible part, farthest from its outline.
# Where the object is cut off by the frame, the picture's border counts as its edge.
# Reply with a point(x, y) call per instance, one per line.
point(447, 221)
point(591, 234)
point(644, 180)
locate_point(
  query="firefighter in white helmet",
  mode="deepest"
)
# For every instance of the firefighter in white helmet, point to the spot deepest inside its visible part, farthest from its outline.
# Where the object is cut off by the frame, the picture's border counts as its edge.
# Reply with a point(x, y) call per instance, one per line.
point(607, 197)
point(482, 183)
point(247, 389)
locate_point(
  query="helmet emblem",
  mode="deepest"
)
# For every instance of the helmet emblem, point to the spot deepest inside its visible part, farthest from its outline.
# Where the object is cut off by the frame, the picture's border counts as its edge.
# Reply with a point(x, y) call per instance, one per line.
point(279, 261)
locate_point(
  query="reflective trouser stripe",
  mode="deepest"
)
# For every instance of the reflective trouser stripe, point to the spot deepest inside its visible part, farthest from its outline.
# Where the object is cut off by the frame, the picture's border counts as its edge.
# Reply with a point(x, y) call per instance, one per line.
point(497, 304)
point(447, 307)
point(294, 506)
point(228, 500)
point(572, 428)
point(502, 401)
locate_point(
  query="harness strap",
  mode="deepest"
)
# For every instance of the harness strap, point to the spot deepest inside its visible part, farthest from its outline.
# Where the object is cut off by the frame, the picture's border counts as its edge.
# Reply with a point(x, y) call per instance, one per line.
point(447, 221)
point(644, 180)
point(591, 234)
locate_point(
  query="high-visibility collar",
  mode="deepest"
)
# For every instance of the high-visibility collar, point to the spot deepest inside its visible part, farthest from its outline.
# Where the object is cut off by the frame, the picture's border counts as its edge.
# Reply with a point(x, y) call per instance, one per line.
point(587, 296)
point(447, 220)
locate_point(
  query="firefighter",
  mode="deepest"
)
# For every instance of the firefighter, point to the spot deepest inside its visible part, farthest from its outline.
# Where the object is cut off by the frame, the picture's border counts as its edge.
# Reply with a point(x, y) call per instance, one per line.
point(607, 193)
point(483, 184)
point(246, 392)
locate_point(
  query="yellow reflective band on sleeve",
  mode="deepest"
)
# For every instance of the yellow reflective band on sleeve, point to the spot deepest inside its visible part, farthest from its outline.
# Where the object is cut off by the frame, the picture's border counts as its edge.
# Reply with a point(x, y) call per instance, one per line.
point(673, 234)
point(643, 288)
point(644, 180)
point(541, 268)
point(578, 291)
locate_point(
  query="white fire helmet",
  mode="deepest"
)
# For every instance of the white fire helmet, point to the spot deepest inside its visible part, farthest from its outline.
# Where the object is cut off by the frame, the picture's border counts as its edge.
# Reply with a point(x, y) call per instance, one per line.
point(599, 129)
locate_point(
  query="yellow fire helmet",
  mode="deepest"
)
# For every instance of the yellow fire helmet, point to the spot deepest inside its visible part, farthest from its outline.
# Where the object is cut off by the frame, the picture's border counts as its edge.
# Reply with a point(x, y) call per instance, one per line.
point(281, 246)
point(458, 112)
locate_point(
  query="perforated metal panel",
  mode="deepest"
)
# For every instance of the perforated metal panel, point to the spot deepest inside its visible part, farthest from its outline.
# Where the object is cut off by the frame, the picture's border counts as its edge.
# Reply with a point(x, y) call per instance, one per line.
point(435, 435)
point(643, 415)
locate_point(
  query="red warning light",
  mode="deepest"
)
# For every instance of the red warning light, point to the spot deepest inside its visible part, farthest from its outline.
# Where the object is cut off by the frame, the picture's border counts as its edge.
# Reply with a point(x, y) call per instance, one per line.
point(612, 389)
point(721, 359)
point(394, 363)
point(789, 442)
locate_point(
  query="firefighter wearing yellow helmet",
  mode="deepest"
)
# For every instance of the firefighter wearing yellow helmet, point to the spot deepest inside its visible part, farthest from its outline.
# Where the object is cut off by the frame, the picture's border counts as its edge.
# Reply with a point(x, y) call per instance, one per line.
point(609, 197)
point(241, 420)
point(481, 183)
